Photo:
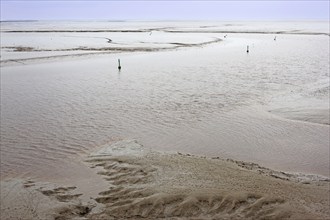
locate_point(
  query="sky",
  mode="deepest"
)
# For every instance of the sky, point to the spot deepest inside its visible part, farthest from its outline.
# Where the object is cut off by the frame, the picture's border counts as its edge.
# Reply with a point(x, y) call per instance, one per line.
point(164, 10)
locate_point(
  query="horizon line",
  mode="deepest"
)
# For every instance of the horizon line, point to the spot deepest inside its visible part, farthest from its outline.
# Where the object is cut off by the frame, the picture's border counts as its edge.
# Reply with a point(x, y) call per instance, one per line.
point(168, 20)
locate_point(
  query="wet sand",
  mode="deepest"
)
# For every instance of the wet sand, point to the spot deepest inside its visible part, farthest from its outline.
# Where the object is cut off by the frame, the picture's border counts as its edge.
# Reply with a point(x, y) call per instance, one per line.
point(82, 140)
point(145, 184)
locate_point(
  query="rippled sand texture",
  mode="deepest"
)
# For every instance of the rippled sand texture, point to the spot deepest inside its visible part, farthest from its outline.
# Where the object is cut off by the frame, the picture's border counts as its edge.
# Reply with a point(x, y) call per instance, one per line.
point(196, 92)
point(145, 184)
point(155, 185)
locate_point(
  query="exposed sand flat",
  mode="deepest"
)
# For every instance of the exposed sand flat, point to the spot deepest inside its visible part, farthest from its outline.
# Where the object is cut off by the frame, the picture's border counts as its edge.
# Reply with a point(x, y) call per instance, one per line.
point(88, 51)
point(145, 184)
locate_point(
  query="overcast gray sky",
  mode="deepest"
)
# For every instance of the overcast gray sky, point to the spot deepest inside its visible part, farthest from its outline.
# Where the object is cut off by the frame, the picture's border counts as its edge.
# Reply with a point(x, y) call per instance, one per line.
point(164, 10)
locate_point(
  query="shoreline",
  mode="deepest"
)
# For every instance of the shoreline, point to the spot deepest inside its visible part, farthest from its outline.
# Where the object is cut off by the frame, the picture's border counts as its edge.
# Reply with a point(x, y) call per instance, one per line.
point(139, 183)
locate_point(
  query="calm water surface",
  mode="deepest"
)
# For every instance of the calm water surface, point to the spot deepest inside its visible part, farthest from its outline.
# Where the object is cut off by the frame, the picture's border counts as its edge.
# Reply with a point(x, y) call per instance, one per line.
point(213, 100)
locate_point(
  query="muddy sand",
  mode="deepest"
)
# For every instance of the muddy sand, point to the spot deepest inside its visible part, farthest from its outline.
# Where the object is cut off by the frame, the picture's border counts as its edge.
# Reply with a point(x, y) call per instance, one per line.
point(145, 184)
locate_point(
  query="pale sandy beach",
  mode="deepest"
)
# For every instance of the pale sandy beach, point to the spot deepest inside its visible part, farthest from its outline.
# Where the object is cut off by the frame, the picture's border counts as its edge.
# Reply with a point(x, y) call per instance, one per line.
point(191, 127)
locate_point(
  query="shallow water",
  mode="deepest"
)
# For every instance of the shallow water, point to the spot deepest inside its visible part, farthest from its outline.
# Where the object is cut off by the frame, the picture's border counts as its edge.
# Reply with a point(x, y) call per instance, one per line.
point(214, 100)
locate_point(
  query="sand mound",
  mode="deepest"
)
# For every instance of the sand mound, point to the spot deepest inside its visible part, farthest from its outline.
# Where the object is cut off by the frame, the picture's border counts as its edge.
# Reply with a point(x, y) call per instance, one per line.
point(140, 203)
point(144, 184)
point(134, 195)
point(151, 185)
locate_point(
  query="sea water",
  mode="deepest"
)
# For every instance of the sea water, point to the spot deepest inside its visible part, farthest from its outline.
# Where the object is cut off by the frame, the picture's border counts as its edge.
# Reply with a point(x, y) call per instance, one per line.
point(269, 106)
